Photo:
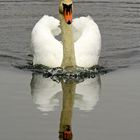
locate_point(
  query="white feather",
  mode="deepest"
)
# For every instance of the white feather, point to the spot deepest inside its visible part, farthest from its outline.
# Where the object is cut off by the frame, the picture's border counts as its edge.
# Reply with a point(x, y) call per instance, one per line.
point(47, 50)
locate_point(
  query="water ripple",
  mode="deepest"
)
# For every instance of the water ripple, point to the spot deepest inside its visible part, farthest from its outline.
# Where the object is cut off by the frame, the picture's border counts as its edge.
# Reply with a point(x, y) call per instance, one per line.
point(118, 22)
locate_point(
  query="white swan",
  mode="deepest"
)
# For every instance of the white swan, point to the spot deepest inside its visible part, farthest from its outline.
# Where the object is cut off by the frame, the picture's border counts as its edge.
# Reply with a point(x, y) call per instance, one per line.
point(47, 50)
point(81, 40)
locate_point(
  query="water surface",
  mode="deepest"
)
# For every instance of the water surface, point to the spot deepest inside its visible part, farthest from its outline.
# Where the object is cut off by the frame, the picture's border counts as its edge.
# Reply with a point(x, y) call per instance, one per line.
point(102, 108)
point(106, 107)
point(118, 21)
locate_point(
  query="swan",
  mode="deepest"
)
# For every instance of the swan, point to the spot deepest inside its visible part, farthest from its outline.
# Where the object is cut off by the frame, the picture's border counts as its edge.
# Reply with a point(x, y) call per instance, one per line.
point(81, 40)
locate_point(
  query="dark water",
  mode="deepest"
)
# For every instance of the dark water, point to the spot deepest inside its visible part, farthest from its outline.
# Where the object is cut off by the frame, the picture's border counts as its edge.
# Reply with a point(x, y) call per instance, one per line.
point(102, 108)
point(118, 21)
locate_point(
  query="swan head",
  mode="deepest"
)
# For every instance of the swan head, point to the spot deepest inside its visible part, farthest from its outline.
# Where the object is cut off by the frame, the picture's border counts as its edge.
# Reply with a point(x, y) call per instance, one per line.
point(65, 8)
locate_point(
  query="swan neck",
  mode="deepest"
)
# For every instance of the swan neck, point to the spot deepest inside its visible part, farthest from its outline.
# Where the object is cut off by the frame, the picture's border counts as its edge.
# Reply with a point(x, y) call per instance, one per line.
point(68, 44)
point(67, 38)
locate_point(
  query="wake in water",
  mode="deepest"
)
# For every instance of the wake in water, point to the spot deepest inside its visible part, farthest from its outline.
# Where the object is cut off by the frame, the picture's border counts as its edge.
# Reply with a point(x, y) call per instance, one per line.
point(58, 74)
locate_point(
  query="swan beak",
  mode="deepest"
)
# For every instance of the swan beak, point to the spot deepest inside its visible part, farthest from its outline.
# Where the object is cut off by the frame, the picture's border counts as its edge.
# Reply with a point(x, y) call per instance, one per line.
point(67, 12)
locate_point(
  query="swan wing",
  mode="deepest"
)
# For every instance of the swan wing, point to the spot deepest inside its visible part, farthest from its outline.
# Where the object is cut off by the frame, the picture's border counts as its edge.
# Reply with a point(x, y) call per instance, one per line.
point(87, 41)
point(47, 50)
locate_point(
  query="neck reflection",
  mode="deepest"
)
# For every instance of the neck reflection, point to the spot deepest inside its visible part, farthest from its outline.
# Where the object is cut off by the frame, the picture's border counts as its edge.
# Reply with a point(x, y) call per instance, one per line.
point(83, 95)
point(68, 88)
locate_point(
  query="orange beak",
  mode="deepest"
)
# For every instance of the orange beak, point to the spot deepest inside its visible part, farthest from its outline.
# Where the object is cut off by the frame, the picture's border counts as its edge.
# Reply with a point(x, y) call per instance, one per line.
point(67, 12)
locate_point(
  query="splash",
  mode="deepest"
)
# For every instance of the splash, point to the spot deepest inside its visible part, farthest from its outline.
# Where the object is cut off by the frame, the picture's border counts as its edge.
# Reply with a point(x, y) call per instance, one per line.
point(58, 74)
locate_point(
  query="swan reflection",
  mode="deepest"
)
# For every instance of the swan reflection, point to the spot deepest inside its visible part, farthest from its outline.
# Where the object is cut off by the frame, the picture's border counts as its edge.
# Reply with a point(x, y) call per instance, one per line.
point(45, 93)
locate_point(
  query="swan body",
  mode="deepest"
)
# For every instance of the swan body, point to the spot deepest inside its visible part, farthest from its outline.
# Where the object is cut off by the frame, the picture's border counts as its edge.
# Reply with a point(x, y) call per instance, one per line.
point(48, 51)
